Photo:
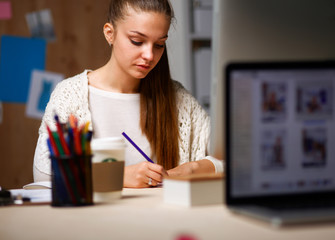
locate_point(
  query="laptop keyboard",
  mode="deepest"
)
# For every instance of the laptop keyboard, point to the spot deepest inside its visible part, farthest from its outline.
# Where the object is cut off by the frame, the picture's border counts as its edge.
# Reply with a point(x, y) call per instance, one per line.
point(320, 204)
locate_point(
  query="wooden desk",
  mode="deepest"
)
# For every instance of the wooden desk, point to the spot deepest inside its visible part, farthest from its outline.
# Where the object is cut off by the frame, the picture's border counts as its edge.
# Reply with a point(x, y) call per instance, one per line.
point(141, 214)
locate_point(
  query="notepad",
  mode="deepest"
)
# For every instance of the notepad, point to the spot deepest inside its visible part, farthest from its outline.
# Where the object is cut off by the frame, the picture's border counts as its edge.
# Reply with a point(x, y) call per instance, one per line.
point(38, 185)
point(34, 195)
point(194, 190)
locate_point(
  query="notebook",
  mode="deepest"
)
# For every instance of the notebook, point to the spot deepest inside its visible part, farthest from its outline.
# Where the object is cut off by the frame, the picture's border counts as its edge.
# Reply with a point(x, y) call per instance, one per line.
point(280, 140)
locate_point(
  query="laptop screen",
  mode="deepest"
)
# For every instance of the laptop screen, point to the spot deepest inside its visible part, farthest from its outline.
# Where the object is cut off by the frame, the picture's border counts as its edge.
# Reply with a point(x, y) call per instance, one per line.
point(280, 128)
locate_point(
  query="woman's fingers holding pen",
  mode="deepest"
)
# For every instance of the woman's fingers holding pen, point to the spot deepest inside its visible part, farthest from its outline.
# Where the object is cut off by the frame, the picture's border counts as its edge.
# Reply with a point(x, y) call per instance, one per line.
point(153, 178)
point(139, 175)
point(155, 174)
point(157, 171)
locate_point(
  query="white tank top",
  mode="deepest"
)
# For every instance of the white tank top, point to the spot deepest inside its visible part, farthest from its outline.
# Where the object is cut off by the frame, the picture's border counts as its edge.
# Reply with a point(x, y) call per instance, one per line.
point(114, 113)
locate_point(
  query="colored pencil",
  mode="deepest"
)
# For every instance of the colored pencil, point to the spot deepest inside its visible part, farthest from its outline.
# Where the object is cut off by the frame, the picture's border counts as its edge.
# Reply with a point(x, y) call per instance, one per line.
point(61, 136)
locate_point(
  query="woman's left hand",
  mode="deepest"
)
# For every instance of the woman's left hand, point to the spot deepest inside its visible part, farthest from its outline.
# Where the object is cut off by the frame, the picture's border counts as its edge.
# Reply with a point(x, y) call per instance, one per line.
point(200, 166)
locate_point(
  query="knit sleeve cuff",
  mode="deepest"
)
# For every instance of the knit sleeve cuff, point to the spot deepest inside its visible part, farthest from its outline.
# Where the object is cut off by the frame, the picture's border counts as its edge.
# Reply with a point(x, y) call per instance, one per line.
point(218, 164)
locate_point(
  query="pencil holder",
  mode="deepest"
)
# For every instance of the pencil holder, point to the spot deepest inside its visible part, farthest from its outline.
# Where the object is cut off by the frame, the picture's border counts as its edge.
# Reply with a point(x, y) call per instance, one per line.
point(71, 180)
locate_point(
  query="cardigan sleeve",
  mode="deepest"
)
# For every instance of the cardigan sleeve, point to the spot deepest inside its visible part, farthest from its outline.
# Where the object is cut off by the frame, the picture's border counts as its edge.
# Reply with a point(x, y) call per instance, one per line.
point(57, 98)
point(41, 157)
point(194, 128)
point(69, 96)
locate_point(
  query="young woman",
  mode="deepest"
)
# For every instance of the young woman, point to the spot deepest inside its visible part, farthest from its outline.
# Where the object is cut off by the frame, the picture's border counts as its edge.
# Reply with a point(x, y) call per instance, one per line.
point(134, 93)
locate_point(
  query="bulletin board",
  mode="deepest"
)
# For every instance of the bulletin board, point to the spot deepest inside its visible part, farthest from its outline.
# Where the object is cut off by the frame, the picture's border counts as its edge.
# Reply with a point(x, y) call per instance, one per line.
point(79, 44)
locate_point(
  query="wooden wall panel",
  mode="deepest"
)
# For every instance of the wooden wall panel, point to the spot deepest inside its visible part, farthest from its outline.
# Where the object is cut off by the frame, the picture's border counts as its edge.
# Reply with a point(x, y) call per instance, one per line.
point(79, 45)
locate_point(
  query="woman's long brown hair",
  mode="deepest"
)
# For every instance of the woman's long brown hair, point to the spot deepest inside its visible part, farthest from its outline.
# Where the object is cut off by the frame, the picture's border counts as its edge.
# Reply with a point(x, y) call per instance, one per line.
point(158, 111)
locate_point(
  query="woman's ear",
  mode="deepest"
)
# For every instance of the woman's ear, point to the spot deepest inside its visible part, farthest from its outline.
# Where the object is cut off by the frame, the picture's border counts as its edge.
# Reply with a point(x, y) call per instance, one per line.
point(109, 33)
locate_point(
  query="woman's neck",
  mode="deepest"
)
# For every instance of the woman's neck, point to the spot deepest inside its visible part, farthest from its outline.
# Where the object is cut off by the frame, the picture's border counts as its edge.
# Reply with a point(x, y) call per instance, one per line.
point(107, 79)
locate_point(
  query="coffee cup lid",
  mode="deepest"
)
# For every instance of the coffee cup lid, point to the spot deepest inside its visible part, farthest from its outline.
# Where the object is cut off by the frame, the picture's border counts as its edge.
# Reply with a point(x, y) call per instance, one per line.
point(108, 143)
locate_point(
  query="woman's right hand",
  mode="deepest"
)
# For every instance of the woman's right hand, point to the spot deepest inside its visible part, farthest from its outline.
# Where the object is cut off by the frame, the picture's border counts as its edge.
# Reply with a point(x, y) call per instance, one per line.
point(139, 175)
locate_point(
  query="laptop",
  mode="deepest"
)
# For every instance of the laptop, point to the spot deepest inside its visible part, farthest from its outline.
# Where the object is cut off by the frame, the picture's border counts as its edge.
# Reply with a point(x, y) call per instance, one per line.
point(280, 140)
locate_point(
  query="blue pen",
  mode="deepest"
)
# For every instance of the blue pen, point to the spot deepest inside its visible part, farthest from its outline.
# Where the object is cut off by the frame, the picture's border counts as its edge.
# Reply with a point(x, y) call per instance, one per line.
point(138, 149)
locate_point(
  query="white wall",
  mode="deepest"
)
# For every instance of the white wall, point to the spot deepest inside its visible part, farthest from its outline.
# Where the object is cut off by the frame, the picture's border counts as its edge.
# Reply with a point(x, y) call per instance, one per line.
point(265, 30)
point(178, 45)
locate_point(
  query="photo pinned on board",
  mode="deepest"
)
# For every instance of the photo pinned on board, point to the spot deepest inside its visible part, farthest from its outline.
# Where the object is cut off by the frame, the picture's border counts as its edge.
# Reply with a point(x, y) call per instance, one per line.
point(41, 25)
point(42, 84)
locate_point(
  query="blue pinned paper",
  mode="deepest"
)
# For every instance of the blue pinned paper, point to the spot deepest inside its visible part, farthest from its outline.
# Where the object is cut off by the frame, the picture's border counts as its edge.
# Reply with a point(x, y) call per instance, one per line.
point(42, 83)
point(19, 56)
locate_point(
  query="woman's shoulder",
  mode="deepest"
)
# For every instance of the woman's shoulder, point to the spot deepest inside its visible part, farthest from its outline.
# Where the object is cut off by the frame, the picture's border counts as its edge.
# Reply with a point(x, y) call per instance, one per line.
point(181, 91)
point(184, 97)
point(71, 89)
point(79, 79)
point(72, 86)
point(186, 102)
point(68, 96)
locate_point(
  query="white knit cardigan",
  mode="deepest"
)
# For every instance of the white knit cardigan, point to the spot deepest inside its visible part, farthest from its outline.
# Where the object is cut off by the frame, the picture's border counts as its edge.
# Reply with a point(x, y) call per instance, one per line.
point(71, 96)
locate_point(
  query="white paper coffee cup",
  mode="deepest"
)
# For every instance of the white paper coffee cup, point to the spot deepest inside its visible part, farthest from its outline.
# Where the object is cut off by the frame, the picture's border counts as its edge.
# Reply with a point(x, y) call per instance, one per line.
point(107, 168)
point(107, 148)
